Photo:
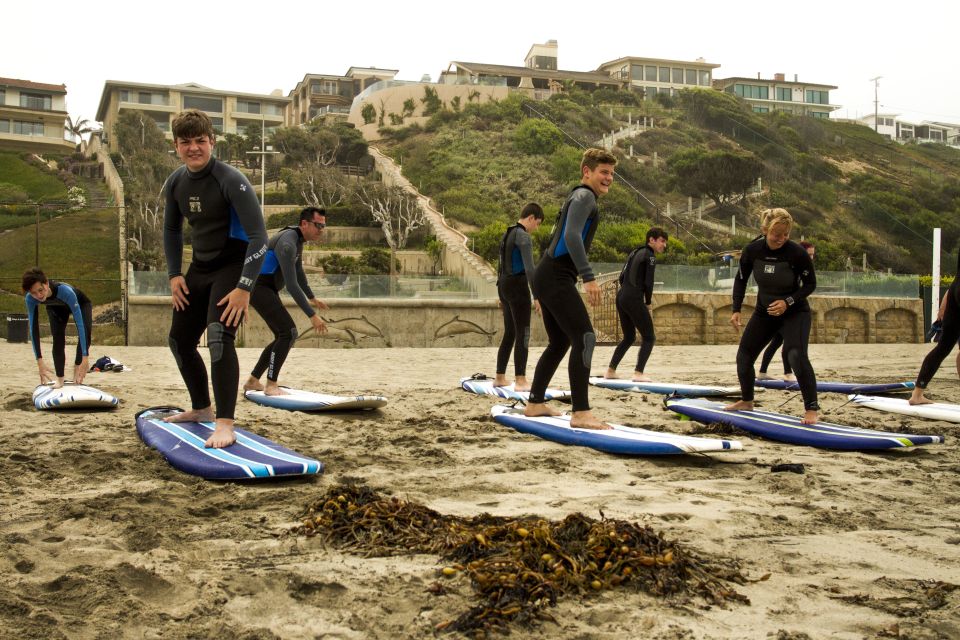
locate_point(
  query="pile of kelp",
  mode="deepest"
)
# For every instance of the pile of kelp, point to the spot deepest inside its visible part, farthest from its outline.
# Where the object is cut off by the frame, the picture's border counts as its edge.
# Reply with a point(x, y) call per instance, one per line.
point(519, 566)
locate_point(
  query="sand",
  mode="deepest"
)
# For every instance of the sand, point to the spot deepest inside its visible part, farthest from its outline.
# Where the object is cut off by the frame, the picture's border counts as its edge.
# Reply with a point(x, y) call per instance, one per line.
point(101, 538)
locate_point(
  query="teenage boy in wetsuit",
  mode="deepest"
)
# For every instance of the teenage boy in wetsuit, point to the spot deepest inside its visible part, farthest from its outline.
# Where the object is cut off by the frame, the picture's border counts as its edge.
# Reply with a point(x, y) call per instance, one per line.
point(61, 301)
point(784, 274)
point(284, 266)
point(516, 267)
point(554, 284)
point(633, 297)
point(777, 341)
point(229, 243)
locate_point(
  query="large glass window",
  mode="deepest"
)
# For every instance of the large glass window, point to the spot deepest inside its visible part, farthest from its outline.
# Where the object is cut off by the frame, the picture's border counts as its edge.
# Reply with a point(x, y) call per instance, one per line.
point(273, 109)
point(36, 101)
point(761, 109)
point(27, 128)
point(147, 97)
point(704, 78)
point(4, 126)
point(162, 120)
point(324, 87)
point(752, 91)
point(676, 76)
point(213, 105)
point(690, 76)
point(936, 134)
point(650, 73)
point(636, 72)
point(245, 106)
point(124, 95)
point(820, 114)
point(818, 97)
point(785, 94)
point(217, 124)
point(664, 74)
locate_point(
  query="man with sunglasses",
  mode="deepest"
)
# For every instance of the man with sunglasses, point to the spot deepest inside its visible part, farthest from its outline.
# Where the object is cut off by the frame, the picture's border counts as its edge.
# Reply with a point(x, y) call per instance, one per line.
point(284, 266)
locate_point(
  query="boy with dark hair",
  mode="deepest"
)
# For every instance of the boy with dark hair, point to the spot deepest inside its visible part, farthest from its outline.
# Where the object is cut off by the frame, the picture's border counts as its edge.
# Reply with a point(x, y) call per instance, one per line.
point(516, 267)
point(61, 301)
point(229, 243)
point(284, 266)
point(633, 297)
point(554, 284)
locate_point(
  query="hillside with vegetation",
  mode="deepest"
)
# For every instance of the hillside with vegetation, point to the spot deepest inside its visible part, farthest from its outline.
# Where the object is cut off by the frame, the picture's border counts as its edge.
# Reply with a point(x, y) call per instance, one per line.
point(851, 191)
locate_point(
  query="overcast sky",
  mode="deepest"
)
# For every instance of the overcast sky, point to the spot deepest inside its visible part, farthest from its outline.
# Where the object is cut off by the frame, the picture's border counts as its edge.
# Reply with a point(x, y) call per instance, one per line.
point(257, 47)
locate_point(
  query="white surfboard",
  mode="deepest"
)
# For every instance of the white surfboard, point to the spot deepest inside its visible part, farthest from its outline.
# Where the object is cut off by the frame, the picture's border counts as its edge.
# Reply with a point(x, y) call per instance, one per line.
point(72, 396)
point(298, 400)
point(665, 388)
point(485, 387)
point(934, 411)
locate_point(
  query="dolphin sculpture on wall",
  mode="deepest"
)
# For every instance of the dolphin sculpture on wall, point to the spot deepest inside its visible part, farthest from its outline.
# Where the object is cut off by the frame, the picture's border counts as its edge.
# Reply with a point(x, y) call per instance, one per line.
point(456, 327)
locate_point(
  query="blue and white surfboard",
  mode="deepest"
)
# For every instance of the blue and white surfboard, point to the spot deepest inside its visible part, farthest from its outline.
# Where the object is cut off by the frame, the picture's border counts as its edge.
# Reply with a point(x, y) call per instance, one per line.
point(665, 388)
point(297, 400)
point(485, 387)
point(840, 387)
point(72, 396)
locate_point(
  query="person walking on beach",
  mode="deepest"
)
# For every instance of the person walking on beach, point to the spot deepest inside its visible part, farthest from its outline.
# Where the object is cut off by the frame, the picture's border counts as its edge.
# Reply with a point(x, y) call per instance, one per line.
point(777, 341)
point(516, 266)
point(229, 243)
point(633, 298)
point(554, 284)
point(61, 301)
point(785, 278)
point(949, 316)
point(283, 265)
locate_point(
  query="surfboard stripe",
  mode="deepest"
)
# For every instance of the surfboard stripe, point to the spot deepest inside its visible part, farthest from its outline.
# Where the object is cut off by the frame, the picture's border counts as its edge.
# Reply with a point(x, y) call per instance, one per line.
point(252, 469)
point(839, 387)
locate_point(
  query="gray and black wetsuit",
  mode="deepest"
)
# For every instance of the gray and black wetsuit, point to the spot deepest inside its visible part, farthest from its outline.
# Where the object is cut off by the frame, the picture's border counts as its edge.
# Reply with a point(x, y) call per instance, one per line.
point(636, 289)
point(554, 284)
point(949, 337)
point(516, 262)
point(63, 302)
point(781, 274)
point(283, 266)
point(229, 242)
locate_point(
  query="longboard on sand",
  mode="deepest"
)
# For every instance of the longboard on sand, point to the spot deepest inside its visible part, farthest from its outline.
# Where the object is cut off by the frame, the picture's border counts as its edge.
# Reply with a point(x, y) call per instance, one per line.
point(933, 411)
point(251, 456)
point(484, 387)
point(297, 400)
point(72, 396)
point(839, 387)
point(620, 439)
point(666, 388)
point(784, 428)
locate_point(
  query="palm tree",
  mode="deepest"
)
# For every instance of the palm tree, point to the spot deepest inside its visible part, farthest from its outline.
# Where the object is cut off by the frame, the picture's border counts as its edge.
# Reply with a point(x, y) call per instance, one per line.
point(77, 129)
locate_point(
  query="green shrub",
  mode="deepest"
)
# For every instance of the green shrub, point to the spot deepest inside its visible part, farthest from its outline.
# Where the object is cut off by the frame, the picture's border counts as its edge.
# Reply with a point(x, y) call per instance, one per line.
point(537, 137)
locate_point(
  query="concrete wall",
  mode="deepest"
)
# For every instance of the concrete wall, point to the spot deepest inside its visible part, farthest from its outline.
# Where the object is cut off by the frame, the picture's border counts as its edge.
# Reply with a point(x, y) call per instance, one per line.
point(679, 318)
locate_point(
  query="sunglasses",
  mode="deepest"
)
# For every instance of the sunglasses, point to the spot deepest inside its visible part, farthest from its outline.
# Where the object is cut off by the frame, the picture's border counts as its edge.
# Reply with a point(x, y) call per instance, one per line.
point(319, 225)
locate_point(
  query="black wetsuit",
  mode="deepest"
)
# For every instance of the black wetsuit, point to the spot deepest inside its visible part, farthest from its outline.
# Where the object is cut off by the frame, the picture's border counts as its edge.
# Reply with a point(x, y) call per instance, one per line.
point(636, 289)
point(283, 266)
point(782, 274)
point(516, 261)
point(771, 351)
point(554, 284)
point(949, 337)
point(229, 243)
point(63, 302)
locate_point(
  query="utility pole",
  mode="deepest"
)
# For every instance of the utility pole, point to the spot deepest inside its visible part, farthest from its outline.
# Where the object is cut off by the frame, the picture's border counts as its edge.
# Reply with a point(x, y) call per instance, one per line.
point(876, 102)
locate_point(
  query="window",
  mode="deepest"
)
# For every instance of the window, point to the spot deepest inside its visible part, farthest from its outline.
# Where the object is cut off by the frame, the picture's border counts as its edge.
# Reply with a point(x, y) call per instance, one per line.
point(3, 99)
point(244, 106)
point(213, 105)
point(761, 109)
point(664, 74)
point(324, 87)
point(124, 95)
point(162, 120)
point(650, 73)
point(217, 124)
point(785, 94)
point(752, 91)
point(147, 97)
point(27, 128)
point(636, 72)
point(36, 101)
point(704, 78)
point(820, 114)
point(691, 76)
point(677, 76)
point(4, 126)
point(273, 109)
point(649, 93)
point(818, 97)
point(936, 134)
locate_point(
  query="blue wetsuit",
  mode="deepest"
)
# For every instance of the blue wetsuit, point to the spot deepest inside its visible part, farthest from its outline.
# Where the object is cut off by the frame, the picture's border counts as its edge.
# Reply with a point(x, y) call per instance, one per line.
point(64, 301)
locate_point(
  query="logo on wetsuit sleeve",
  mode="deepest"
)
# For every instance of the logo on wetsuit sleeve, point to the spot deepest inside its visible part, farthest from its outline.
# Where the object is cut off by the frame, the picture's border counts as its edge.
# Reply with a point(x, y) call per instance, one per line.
point(195, 204)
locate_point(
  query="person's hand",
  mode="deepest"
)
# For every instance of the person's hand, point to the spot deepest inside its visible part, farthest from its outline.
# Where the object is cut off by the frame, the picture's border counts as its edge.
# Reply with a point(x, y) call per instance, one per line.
point(318, 324)
point(179, 292)
point(536, 305)
point(237, 301)
point(319, 304)
point(777, 308)
point(735, 320)
point(80, 371)
point(46, 374)
point(593, 292)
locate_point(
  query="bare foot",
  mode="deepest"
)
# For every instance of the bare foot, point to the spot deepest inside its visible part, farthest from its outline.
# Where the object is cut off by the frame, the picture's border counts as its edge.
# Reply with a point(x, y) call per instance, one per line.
point(611, 374)
point(521, 384)
point(586, 420)
point(919, 398)
point(810, 416)
point(638, 376)
point(222, 436)
point(740, 405)
point(538, 409)
point(58, 384)
point(274, 389)
point(763, 375)
point(789, 377)
point(500, 380)
point(193, 415)
point(252, 384)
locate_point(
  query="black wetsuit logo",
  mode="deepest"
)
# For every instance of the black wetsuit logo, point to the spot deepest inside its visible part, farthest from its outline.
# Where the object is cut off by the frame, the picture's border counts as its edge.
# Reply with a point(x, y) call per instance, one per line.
point(769, 268)
point(195, 205)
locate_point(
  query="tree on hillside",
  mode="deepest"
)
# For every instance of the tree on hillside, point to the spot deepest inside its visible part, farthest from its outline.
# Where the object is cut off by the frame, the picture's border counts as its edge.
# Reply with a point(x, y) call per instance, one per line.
point(317, 186)
point(719, 175)
point(305, 146)
point(397, 211)
point(77, 129)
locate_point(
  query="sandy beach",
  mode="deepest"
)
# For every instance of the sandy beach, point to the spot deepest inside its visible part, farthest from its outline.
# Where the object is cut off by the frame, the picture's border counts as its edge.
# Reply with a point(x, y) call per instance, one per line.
point(101, 538)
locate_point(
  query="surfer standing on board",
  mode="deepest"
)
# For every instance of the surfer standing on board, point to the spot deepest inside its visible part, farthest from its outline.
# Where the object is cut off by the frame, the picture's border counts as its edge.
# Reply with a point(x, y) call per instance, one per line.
point(61, 301)
point(229, 243)
point(777, 341)
point(284, 266)
point(633, 298)
point(784, 274)
point(554, 284)
point(516, 262)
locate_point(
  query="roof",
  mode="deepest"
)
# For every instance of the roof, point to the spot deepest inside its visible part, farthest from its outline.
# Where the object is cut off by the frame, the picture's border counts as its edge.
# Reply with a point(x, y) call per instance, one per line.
point(799, 84)
point(186, 86)
point(696, 63)
point(505, 70)
point(29, 84)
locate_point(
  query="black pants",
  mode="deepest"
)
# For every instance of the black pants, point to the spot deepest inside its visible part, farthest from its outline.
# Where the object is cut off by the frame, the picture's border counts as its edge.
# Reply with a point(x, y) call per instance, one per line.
point(634, 315)
point(949, 337)
point(60, 316)
point(794, 326)
point(207, 287)
point(266, 300)
point(515, 303)
point(771, 351)
point(568, 327)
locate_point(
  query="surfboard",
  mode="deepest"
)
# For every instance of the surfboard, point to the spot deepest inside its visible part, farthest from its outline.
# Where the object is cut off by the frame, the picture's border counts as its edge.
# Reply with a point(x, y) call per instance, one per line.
point(784, 428)
point(72, 396)
point(839, 387)
point(250, 457)
point(666, 388)
point(620, 439)
point(934, 411)
point(297, 400)
point(484, 387)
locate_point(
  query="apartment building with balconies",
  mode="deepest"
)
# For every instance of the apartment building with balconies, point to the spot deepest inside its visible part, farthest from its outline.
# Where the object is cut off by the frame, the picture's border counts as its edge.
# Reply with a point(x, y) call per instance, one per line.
point(321, 95)
point(779, 94)
point(657, 76)
point(32, 117)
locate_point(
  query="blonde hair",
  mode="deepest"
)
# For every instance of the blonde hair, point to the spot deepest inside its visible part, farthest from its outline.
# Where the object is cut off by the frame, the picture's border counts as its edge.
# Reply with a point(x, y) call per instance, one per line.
point(770, 218)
